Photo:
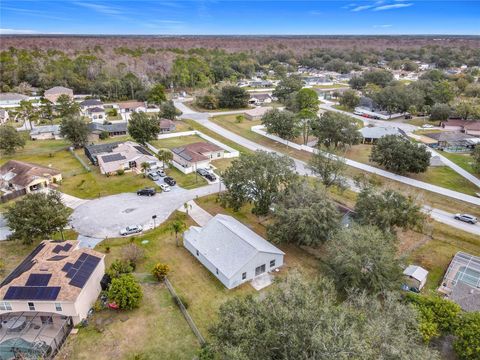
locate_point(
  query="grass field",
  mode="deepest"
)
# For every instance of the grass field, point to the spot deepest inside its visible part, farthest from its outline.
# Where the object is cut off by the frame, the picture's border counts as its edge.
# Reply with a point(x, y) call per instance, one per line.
point(465, 161)
point(419, 121)
point(174, 142)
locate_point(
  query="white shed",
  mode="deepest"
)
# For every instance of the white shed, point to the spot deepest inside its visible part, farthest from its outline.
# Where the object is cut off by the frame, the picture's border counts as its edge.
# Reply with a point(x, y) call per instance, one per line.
point(231, 251)
point(416, 275)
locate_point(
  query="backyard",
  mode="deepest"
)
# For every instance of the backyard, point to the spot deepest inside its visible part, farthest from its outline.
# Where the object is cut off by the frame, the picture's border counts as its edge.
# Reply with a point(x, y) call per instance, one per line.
point(170, 143)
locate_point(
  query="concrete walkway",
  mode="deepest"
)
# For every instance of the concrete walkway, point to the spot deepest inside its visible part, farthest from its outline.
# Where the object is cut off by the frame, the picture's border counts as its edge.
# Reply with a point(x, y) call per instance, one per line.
point(198, 214)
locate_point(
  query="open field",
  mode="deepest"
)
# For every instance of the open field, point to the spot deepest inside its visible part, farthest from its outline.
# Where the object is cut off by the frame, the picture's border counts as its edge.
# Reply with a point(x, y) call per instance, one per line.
point(465, 161)
point(194, 106)
point(174, 142)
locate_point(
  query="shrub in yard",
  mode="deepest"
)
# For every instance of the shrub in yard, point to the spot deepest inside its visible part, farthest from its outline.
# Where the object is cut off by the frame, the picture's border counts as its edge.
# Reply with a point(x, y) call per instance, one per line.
point(119, 267)
point(160, 271)
point(132, 254)
point(467, 344)
point(120, 172)
point(103, 135)
point(125, 292)
point(239, 118)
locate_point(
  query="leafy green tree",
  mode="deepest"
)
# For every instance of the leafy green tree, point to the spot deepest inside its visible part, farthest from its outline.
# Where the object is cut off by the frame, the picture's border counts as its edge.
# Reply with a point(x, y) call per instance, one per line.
point(165, 156)
point(306, 105)
point(304, 215)
point(119, 267)
point(281, 123)
point(388, 210)
point(208, 101)
point(145, 166)
point(37, 216)
point(75, 130)
point(28, 112)
point(10, 139)
point(233, 97)
point(440, 112)
point(168, 110)
point(467, 342)
point(443, 92)
point(46, 109)
point(336, 130)
point(475, 155)
point(125, 292)
point(67, 107)
point(364, 258)
point(160, 271)
point(287, 87)
point(349, 99)
point(191, 72)
point(257, 178)
point(467, 110)
point(400, 156)
point(143, 128)
point(330, 167)
point(176, 227)
point(299, 319)
point(157, 95)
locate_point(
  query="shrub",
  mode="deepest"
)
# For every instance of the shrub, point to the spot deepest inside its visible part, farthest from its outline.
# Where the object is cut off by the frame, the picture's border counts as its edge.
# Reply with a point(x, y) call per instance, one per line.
point(132, 254)
point(103, 135)
point(467, 344)
point(125, 292)
point(120, 172)
point(119, 267)
point(160, 271)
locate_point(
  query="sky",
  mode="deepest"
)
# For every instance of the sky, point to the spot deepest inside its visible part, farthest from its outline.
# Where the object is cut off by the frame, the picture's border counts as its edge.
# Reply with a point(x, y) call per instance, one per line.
point(239, 17)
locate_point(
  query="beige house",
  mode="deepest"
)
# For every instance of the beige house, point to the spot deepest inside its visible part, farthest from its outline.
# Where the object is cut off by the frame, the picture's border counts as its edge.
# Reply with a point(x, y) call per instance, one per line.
point(54, 93)
point(194, 156)
point(57, 278)
point(256, 113)
point(46, 132)
point(19, 175)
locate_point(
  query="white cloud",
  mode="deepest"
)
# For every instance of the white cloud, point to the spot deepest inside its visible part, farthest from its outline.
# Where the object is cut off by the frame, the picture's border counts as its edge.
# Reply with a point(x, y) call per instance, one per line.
point(17, 31)
point(392, 6)
point(362, 7)
point(102, 9)
point(384, 26)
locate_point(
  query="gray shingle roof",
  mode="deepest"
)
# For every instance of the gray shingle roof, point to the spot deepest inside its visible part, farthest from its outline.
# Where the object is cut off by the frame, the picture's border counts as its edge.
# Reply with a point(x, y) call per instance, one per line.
point(228, 244)
point(378, 132)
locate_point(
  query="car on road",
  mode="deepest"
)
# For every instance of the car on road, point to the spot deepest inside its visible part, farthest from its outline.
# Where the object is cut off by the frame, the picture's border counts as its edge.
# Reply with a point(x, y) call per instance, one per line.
point(165, 187)
point(202, 172)
point(210, 176)
point(408, 117)
point(154, 176)
point(427, 126)
point(169, 180)
point(132, 229)
point(466, 218)
point(146, 192)
point(161, 173)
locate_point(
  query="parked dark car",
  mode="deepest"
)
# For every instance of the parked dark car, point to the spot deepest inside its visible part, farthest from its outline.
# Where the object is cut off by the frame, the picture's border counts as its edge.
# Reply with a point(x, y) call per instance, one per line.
point(146, 192)
point(408, 116)
point(202, 172)
point(169, 180)
point(210, 177)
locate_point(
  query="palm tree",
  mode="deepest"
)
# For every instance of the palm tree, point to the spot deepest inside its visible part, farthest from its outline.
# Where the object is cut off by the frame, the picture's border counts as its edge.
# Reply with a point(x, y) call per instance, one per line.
point(165, 156)
point(177, 227)
point(145, 166)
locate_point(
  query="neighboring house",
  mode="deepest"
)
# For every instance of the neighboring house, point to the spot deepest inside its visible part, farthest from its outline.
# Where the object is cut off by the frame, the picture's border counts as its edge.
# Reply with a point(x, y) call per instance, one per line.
point(461, 282)
point(167, 125)
point(415, 276)
point(231, 251)
point(194, 156)
point(469, 127)
point(46, 132)
point(90, 104)
point(97, 115)
point(11, 99)
point(261, 83)
point(258, 99)
point(49, 292)
point(128, 107)
point(19, 175)
point(372, 134)
point(317, 80)
point(113, 130)
point(126, 156)
point(453, 141)
point(54, 93)
point(256, 113)
point(4, 116)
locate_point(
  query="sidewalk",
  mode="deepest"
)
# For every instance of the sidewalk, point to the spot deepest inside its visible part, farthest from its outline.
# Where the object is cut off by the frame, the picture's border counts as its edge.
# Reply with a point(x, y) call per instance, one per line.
point(200, 216)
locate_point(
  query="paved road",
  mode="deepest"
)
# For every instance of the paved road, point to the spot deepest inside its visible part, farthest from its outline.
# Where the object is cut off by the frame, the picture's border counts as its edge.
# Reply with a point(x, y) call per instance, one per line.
point(439, 215)
point(104, 217)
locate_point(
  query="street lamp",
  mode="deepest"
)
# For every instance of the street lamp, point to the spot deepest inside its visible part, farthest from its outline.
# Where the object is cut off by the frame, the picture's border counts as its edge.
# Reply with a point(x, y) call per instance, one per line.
point(154, 217)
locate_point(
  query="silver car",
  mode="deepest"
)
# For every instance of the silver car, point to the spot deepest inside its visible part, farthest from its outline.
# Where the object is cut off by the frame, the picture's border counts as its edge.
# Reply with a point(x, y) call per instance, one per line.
point(132, 229)
point(466, 218)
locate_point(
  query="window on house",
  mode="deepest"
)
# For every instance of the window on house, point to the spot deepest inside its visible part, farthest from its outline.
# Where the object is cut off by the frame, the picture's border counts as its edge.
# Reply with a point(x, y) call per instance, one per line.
point(244, 276)
point(5, 306)
point(31, 306)
point(219, 154)
point(198, 253)
point(216, 270)
point(272, 263)
point(58, 307)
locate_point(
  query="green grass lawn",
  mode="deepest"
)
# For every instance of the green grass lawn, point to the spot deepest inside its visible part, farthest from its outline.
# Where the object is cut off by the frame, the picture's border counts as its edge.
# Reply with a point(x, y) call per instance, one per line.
point(187, 181)
point(465, 161)
point(194, 106)
point(419, 121)
point(174, 142)
point(333, 86)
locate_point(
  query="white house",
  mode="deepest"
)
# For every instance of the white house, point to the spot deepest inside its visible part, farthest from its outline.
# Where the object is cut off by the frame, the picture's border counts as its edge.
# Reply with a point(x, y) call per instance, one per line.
point(55, 278)
point(194, 156)
point(231, 251)
point(12, 99)
point(415, 276)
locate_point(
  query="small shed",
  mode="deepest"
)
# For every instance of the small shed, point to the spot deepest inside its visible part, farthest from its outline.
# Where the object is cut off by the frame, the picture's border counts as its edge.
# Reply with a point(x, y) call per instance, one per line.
point(415, 276)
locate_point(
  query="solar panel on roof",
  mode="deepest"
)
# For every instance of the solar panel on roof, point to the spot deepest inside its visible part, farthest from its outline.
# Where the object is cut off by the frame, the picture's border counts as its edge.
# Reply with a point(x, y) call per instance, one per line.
point(71, 273)
point(67, 247)
point(32, 293)
point(57, 257)
point(57, 249)
point(24, 266)
point(67, 267)
point(38, 280)
point(113, 157)
point(80, 277)
point(83, 256)
point(142, 150)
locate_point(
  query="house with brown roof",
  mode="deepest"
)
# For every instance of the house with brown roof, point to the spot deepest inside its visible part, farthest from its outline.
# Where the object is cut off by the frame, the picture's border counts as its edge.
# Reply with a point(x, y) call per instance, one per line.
point(19, 175)
point(167, 125)
point(256, 113)
point(54, 93)
point(194, 156)
point(129, 107)
point(470, 127)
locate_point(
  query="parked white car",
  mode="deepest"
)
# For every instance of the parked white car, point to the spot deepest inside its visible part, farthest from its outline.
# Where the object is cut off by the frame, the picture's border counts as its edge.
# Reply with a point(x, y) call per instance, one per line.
point(132, 229)
point(427, 126)
point(165, 187)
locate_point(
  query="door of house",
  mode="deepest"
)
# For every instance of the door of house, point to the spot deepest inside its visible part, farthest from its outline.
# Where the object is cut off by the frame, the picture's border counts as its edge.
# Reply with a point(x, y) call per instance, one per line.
point(260, 270)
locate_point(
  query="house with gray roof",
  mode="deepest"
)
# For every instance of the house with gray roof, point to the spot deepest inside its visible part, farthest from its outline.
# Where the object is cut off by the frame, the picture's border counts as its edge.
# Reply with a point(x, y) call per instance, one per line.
point(372, 134)
point(46, 132)
point(11, 99)
point(114, 129)
point(232, 252)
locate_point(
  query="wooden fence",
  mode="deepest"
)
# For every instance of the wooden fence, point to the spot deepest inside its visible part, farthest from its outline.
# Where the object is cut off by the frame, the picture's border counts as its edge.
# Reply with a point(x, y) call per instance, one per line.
point(12, 195)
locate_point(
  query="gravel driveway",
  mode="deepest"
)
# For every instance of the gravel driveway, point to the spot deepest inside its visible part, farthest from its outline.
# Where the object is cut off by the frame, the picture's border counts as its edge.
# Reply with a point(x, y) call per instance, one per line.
point(105, 217)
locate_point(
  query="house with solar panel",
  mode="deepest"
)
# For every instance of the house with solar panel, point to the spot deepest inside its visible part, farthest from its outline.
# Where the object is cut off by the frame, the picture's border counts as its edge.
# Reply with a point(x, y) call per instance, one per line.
point(126, 156)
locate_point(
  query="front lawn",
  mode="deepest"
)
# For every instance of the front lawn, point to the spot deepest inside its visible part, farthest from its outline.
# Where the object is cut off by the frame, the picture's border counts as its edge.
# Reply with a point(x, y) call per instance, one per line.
point(465, 161)
point(178, 141)
point(187, 181)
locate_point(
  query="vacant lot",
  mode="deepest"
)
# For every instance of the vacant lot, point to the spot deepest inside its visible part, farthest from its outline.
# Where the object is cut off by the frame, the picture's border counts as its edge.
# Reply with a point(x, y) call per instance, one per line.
point(179, 141)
